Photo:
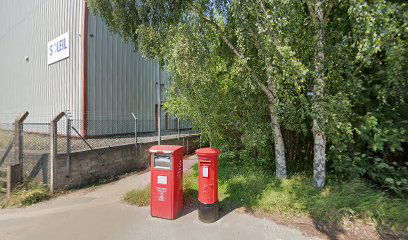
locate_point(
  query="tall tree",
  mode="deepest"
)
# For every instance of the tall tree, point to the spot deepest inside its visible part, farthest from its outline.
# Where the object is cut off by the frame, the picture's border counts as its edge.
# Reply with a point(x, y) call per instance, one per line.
point(319, 18)
point(275, 51)
point(247, 37)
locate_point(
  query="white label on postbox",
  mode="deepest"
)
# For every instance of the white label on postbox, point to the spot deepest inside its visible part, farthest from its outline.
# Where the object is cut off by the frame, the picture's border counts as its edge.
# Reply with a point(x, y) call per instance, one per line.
point(162, 180)
point(205, 172)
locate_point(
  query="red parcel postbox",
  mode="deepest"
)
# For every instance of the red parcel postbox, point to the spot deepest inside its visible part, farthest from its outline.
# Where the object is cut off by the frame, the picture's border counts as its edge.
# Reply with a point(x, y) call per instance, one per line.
point(208, 184)
point(166, 198)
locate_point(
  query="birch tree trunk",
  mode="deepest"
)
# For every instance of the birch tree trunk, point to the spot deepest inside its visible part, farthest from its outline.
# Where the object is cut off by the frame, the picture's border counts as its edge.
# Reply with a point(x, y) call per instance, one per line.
point(270, 91)
point(319, 158)
point(280, 160)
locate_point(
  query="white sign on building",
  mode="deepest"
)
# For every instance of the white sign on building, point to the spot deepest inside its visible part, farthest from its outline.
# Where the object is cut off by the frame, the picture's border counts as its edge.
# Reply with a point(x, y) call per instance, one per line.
point(58, 48)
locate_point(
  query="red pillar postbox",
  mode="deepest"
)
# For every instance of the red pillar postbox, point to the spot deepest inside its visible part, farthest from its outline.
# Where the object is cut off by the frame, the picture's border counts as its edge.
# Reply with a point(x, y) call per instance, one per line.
point(166, 195)
point(208, 184)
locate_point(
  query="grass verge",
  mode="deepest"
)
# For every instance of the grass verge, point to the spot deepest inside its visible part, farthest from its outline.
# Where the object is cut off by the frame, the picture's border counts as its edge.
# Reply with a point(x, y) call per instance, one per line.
point(259, 191)
point(25, 195)
point(138, 197)
point(141, 197)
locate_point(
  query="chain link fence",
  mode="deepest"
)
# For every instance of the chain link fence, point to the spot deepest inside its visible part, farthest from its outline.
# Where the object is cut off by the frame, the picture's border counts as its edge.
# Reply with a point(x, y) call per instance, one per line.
point(7, 153)
point(99, 133)
point(6, 144)
point(36, 137)
point(68, 135)
point(104, 133)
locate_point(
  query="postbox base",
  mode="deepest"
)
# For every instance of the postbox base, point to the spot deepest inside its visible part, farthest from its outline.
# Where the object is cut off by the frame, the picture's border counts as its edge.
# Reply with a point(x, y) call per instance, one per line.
point(208, 213)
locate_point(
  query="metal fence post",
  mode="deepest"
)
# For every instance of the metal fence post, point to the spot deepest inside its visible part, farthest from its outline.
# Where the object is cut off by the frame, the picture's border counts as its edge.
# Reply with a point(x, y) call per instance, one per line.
point(53, 150)
point(201, 134)
point(135, 118)
point(178, 128)
point(69, 127)
point(158, 113)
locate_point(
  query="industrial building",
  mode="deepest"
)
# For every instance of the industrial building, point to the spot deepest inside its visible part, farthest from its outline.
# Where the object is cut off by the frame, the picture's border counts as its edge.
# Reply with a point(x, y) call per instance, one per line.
point(56, 56)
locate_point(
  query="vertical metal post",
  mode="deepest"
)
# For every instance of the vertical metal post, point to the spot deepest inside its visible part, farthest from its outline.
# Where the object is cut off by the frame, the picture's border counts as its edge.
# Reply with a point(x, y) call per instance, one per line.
point(136, 131)
point(158, 114)
point(137, 152)
point(69, 126)
point(53, 154)
point(135, 118)
point(201, 134)
point(178, 128)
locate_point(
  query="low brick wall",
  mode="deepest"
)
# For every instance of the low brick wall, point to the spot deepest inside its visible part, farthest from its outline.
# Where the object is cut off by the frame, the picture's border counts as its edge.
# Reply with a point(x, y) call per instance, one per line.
point(87, 167)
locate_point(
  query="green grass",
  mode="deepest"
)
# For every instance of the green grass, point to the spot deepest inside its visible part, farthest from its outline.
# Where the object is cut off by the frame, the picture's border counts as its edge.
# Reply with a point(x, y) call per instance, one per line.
point(138, 197)
point(258, 190)
point(141, 197)
point(25, 195)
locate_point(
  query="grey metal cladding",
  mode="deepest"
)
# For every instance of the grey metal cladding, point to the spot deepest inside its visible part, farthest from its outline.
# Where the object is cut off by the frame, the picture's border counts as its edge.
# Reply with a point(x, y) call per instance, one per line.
point(27, 83)
point(120, 81)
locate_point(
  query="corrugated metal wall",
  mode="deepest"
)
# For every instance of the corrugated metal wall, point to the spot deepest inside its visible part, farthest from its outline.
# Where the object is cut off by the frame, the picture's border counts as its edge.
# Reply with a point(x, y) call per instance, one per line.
point(120, 81)
point(25, 28)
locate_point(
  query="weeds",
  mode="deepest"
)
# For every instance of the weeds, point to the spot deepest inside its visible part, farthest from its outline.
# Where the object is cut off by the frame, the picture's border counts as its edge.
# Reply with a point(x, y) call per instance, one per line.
point(25, 195)
point(259, 190)
point(139, 197)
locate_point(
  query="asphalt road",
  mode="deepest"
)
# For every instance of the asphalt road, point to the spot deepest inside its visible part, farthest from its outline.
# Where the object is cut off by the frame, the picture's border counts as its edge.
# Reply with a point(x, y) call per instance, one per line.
point(99, 213)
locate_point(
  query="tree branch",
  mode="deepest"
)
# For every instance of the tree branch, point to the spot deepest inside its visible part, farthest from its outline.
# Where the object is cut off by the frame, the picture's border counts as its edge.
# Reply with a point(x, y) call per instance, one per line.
point(332, 3)
point(240, 56)
point(271, 32)
point(224, 38)
point(311, 12)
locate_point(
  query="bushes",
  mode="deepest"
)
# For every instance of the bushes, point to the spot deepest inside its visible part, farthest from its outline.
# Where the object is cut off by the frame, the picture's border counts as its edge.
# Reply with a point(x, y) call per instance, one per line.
point(257, 189)
point(377, 153)
point(363, 111)
point(221, 66)
point(392, 177)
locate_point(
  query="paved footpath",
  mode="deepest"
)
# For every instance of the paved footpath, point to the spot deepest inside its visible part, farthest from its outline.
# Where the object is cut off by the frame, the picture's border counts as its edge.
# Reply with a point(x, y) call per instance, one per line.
point(99, 213)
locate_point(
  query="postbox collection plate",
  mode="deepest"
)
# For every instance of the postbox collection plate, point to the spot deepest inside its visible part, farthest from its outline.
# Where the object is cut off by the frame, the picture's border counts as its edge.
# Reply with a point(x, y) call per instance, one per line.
point(162, 180)
point(205, 172)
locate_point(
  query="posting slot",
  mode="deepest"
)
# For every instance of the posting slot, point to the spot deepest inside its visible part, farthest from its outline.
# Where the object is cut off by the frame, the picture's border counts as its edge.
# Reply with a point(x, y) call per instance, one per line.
point(162, 162)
